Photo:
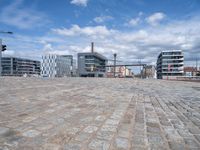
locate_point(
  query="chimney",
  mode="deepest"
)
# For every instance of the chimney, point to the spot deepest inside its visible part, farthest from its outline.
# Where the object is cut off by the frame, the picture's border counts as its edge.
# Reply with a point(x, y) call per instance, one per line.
point(92, 47)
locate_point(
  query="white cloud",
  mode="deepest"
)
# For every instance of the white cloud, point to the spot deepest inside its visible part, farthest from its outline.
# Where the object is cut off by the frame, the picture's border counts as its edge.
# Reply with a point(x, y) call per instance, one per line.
point(134, 22)
point(79, 2)
point(9, 53)
point(102, 19)
point(132, 37)
point(48, 47)
point(91, 31)
point(15, 15)
point(155, 18)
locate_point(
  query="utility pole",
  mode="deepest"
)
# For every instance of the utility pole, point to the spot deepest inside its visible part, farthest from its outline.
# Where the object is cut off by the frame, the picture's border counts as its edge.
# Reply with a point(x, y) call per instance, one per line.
point(196, 64)
point(125, 72)
point(140, 69)
point(0, 55)
point(115, 56)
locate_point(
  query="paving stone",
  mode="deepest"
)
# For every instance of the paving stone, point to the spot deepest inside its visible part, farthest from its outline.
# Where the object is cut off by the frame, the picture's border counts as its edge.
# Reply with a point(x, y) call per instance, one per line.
point(121, 143)
point(184, 133)
point(109, 128)
point(191, 143)
point(100, 118)
point(137, 132)
point(90, 129)
point(197, 137)
point(3, 130)
point(123, 133)
point(157, 147)
point(72, 147)
point(176, 145)
point(29, 119)
point(97, 144)
point(153, 130)
point(82, 137)
point(138, 140)
point(138, 148)
point(194, 130)
point(155, 139)
point(50, 146)
point(112, 122)
point(105, 135)
point(31, 133)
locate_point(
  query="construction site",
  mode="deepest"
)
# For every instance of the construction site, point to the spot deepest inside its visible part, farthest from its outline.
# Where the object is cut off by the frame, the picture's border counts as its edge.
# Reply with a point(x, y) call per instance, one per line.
point(98, 114)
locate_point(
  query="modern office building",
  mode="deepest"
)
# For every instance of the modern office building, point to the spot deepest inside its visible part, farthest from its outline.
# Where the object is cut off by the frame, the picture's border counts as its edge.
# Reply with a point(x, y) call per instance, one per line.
point(91, 64)
point(72, 64)
point(170, 64)
point(13, 66)
point(56, 65)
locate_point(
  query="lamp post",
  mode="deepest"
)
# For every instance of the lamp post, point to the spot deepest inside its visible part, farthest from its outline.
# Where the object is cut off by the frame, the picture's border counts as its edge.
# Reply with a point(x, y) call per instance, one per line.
point(115, 56)
point(2, 47)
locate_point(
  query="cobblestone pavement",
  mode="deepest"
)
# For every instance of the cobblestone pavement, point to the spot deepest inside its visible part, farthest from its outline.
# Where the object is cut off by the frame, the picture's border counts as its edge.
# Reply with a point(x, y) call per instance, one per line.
point(98, 114)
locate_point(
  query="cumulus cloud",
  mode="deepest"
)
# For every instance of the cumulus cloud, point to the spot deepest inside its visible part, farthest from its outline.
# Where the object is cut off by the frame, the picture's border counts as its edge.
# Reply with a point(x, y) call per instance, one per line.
point(102, 19)
point(16, 15)
point(132, 37)
point(92, 31)
point(9, 53)
point(155, 18)
point(47, 47)
point(79, 2)
point(134, 22)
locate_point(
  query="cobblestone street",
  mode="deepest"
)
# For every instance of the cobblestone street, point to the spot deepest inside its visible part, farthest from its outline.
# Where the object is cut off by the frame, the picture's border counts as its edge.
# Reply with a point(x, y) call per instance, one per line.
point(98, 114)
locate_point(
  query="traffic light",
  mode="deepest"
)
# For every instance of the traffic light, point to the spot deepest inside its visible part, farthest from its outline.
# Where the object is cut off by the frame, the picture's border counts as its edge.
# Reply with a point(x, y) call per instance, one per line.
point(3, 48)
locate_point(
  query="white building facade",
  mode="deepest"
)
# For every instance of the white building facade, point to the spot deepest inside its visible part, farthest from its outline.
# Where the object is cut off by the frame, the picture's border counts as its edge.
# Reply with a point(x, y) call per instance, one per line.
point(55, 66)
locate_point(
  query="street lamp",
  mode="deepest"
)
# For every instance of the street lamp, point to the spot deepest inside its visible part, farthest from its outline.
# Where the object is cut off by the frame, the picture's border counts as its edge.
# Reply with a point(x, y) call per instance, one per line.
point(3, 47)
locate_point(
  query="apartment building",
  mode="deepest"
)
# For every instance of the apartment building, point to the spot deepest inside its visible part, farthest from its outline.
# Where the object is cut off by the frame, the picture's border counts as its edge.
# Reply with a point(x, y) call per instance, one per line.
point(13, 66)
point(149, 71)
point(120, 71)
point(170, 64)
point(56, 65)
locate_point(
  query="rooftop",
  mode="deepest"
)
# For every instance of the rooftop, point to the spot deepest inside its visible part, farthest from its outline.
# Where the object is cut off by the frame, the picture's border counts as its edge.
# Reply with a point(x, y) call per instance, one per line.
point(80, 113)
point(178, 50)
point(94, 53)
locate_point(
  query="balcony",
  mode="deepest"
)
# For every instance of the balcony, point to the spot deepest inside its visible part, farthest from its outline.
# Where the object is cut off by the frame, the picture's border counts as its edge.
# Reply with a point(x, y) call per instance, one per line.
point(173, 71)
point(175, 63)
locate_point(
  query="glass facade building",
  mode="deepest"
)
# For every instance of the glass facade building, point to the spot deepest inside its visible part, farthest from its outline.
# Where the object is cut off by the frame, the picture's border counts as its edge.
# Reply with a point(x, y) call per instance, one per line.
point(56, 65)
point(170, 64)
point(91, 65)
point(13, 66)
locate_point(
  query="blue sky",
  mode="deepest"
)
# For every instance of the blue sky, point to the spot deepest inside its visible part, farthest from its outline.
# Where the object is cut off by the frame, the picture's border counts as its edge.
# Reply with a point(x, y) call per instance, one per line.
point(134, 29)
